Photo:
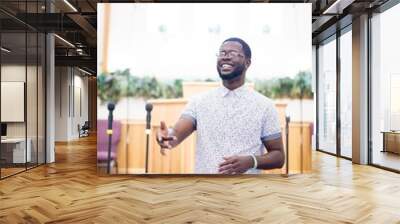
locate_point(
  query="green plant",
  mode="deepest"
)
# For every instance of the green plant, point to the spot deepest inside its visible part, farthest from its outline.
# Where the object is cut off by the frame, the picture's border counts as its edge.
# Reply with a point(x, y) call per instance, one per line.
point(150, 88)
point(294, 88)
point(108, 88)
point(121, 83)
point(302, 86)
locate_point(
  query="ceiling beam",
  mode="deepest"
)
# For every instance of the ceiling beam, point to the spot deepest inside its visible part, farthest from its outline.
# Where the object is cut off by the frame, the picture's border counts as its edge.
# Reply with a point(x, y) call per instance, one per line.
point(337, 6)
point(83, 61)
point(84, 24)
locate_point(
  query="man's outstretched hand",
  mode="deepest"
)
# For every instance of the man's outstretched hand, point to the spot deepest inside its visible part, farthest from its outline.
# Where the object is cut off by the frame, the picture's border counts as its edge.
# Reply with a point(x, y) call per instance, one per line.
point(235, 164)
point(163, 138)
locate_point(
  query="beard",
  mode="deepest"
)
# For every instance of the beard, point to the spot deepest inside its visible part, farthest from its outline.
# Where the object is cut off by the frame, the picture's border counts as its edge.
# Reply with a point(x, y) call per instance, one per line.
point(234, 74)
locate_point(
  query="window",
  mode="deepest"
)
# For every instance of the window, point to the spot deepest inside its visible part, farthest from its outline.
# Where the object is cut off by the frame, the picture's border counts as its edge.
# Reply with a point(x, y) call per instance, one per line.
point(385, 89)
point(327, 97)
point(346, 94)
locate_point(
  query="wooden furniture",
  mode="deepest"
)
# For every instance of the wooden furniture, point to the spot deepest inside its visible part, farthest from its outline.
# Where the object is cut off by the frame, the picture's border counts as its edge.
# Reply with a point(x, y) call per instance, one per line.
point(132, 147)
point(391, 141)
point(299, 156)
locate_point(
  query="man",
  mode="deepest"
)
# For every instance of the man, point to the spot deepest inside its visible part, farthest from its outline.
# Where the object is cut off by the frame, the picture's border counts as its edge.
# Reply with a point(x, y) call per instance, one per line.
point(234, 124)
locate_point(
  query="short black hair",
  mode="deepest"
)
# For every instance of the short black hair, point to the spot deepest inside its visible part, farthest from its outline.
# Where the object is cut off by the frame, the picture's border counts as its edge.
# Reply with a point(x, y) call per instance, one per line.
point(245, 46)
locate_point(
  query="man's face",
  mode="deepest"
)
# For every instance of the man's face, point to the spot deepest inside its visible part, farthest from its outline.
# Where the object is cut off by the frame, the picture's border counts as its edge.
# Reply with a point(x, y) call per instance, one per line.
point(232, 62)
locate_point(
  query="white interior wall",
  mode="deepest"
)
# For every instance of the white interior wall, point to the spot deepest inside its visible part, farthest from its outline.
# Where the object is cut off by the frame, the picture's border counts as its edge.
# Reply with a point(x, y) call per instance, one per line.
point(61, 103)
point(71, 94)
point(12, 73)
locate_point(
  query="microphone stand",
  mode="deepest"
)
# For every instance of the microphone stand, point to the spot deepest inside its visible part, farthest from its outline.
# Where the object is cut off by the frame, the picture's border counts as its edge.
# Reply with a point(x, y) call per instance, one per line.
point(301, 130)
point(287, 119)
point(147, 150)
point(110, 107)
point(149, 108)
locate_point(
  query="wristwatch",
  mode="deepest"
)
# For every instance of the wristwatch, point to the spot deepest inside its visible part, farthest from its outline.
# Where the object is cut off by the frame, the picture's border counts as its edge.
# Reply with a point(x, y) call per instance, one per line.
point(254, 161)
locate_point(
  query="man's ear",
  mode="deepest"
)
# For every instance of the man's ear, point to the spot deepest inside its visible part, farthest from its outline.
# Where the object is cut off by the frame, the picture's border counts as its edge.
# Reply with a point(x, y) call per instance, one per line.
point(248, 62)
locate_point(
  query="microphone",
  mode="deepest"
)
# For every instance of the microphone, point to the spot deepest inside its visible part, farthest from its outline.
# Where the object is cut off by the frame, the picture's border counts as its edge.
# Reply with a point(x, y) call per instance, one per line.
point(149, 108)
point(110, 108)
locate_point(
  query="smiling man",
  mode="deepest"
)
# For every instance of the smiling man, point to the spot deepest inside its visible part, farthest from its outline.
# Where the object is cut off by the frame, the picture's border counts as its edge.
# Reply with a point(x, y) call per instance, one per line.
point(237, 128)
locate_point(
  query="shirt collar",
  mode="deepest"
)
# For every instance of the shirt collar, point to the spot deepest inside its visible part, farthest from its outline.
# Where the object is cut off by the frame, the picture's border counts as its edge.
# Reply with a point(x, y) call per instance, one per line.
point(240, 91)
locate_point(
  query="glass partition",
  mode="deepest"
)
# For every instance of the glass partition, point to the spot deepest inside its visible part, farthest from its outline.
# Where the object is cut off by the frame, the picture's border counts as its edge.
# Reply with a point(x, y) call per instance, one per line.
point(327, 96)
point(31, 97)
point(14, 153)
point(22, 88)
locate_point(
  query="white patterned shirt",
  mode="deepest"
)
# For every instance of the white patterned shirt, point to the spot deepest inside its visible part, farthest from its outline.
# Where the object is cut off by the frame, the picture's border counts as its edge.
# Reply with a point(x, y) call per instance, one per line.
point(230, 123)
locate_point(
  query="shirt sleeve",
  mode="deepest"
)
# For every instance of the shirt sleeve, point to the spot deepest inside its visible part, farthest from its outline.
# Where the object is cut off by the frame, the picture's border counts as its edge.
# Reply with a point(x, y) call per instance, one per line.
point(190, 112)
point(271, 126)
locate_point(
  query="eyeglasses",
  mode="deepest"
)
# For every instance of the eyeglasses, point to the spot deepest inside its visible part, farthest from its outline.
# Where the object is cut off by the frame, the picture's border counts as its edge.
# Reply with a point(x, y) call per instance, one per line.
point(230, 54)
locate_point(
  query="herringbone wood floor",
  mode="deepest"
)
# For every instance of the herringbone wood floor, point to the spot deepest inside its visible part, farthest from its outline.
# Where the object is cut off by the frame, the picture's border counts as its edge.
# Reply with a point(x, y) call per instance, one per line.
point(70, 191)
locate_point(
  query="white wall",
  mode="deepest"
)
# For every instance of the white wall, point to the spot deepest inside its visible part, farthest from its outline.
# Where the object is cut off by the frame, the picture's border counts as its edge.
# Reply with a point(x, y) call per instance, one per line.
point(62, 81)
point(71, 94)
point(81, 83)
point(16, 73)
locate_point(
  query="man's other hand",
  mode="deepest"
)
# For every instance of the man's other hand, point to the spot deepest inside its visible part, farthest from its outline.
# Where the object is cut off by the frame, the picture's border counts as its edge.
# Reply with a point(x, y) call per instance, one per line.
point(235, 164)
point(163, 138)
